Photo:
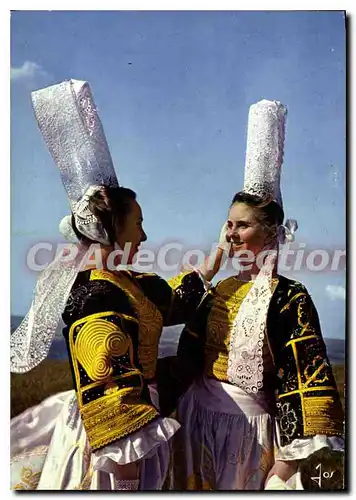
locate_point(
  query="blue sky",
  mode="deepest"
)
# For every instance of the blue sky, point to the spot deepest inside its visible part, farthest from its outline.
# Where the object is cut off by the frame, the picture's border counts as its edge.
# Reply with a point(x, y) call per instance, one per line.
point(173, 91)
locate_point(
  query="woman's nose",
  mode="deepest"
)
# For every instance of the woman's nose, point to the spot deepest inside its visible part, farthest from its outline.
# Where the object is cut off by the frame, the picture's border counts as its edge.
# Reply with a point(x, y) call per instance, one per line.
point(231, 233)
point(234, 237)
point(144, 236)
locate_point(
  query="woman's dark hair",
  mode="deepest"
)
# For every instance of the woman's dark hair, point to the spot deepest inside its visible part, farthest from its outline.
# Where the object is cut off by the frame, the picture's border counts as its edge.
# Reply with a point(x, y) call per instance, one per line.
point(270, 214)
point(111, 206)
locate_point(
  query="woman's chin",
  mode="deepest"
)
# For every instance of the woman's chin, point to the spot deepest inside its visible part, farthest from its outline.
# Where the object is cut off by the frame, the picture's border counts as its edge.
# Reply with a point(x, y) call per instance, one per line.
point(238, 250)
point(237, 246)
point(133, 258)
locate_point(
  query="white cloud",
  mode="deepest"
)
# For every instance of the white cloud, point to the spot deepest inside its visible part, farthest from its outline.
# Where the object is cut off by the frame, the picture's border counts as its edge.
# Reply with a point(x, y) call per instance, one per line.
point(336, 292)
point(28, 70)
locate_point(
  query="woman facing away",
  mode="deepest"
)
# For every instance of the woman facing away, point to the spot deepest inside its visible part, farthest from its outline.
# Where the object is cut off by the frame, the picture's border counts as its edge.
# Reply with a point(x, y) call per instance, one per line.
point(251, 384)
point(113, 321)
point(108, 432)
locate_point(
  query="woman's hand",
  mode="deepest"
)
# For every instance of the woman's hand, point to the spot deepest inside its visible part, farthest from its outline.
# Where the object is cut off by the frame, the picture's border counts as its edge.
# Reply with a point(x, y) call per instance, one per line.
point(128, 471)
point(283, 469)
point(224, 242)
point(212, 264)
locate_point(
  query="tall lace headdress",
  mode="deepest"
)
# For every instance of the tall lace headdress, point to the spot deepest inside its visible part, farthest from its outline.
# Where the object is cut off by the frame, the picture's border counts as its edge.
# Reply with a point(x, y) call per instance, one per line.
point(265, 149)
point(72, 130)
point(264, 157)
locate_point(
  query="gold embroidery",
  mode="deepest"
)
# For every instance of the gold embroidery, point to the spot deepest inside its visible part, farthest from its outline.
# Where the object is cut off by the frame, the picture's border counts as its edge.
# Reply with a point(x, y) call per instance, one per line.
point(176, 281)
point(317, 371)
point(229, 295)
point(97, 367)
point(29, 479)
point(307, 389)
point(295, 354)
point(302, 315)
point(114, 416)
point(97, 342)
point(216, 362)
point(321, 416)
point(131, 373)
point(33, 452)
point(303, 319)
point(293, 299)
point(149, 318)
point(144, 275)
point(301, 339)
point(120, 411)
point(297, 365)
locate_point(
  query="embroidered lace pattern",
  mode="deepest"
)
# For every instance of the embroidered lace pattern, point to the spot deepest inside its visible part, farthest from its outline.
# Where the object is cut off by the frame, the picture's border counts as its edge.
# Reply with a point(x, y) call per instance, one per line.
point(264, 152)
point(31, 341)
point(245, 362)
point(70, 124)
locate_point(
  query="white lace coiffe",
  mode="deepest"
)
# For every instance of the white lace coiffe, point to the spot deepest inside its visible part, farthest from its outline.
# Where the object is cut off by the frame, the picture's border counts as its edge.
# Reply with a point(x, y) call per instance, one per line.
point(265, 149)
point(69, 121)
point(70, 124)
point(87, 223)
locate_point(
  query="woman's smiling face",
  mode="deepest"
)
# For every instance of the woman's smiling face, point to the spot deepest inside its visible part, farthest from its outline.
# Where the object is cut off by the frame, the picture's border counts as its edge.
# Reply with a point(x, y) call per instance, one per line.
point(245, 230)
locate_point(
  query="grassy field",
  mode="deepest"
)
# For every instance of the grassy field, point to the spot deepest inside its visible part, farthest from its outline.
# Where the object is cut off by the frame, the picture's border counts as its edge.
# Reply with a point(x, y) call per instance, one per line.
point(31, 388)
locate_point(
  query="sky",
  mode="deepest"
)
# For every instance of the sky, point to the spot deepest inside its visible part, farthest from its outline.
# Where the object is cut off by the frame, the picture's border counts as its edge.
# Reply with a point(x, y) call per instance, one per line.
point(173, 91)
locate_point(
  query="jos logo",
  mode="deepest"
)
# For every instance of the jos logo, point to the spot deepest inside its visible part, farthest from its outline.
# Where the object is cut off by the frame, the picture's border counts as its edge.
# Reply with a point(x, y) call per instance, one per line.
point(322, 475)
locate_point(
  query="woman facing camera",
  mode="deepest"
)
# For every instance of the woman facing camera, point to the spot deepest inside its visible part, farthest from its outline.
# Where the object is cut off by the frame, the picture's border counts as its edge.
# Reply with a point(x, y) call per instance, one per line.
point(263, 397)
